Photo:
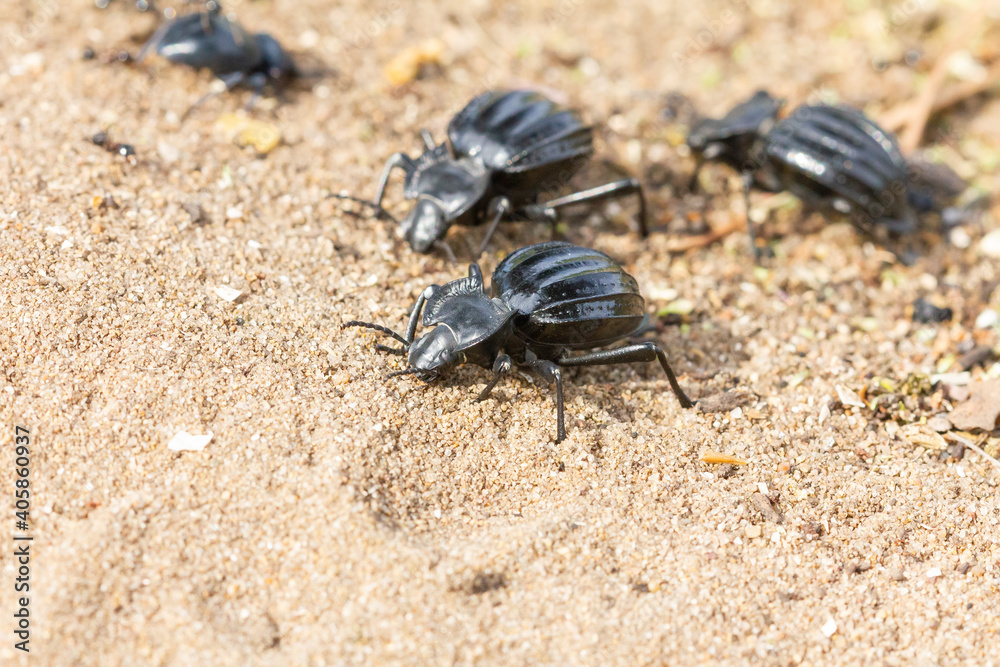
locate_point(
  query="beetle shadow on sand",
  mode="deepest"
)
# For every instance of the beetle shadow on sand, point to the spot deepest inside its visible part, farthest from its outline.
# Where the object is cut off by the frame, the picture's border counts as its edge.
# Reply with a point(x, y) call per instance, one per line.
point(443, 452)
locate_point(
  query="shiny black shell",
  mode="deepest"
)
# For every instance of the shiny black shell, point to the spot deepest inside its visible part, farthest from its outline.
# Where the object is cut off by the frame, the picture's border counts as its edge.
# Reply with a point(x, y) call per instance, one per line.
point(824, 151)
point(565, 296)
point(207, 40)
point(529, 142)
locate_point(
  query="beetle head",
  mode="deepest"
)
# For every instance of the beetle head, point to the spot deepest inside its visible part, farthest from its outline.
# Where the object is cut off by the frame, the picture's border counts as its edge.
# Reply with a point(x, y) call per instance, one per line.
point(435, 352)
point(275, 61)
point(728, 139)
point(425, 224)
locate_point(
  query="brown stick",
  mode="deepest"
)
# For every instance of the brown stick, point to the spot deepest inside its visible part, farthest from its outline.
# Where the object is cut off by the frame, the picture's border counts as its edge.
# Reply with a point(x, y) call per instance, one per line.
point(909, 139)
point(736, 223)
point(920, 111)
point(897, 117)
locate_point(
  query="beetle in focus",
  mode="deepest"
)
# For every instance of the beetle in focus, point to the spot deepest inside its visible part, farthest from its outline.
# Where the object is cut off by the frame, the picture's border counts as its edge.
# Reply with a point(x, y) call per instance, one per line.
point(832, 157)
point(545, 301)
point(506, 149)
point(208, 39)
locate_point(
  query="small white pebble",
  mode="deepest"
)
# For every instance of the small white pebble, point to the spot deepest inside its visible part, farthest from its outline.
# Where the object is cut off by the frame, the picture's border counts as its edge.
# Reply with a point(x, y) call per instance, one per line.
point(990, 244)
point(824, 413)
point(589, 67)
point(185, 442)
point(736, 413)
point(848, 397)
point(762, 487)
point(167, 152)
point(309, 39)
point(234, 213)
point(227, 293)
point(663, 294)
point(829, 628)
point(934, 573)
point(928, 282)
point(987, 319)
point(959, 238)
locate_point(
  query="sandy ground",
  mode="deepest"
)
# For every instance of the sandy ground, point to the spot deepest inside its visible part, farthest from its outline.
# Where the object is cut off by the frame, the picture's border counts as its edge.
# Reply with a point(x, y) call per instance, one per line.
point(338, 519)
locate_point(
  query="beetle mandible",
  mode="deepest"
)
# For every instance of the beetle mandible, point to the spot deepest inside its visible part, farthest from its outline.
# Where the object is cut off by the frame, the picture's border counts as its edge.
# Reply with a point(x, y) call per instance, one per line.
point(545, 300)
point(506, 149)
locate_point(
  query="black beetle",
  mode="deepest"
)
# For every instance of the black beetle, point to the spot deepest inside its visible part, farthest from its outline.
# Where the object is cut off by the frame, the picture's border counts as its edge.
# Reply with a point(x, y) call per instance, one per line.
point(507, 148)
point(830, 156)
point(545, 300)
point(207, 39)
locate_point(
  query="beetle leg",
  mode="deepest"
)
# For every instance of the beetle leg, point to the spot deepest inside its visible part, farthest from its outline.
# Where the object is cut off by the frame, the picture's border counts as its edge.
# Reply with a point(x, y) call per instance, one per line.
point(401, 160)
point(747, 179)
point(256, 82)
point(443, 246)
point(639, 352)
point(411, 327)
point(693, 183)
point(500, 368)
point(499, 207)
point(230, 80)
point(551, 372)
point(398, 351)
point(610, 191)
point(428, 138)
point(206, 23)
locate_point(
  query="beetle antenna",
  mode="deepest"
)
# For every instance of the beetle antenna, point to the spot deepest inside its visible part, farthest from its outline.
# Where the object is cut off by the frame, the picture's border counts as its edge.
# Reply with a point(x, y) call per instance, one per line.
point(406, 371)
point(379, 211)
point(376, 327)
point(427, 376)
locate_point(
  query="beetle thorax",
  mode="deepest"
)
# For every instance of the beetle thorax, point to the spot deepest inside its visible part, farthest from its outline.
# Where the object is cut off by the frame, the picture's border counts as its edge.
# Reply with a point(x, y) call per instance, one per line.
point(447, 191)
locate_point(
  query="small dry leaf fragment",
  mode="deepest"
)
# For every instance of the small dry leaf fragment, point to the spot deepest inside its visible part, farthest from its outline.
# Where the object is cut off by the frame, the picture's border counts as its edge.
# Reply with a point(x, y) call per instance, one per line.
point(922, 435)
point(185, 442)
point(227, 293)
point(716, 457)
point(763, 503)
point(981, 410)
point(405, 67)
point(939, 424)
point(677, 307)
point(263, 137)
point(726, 401)
point(848, 397)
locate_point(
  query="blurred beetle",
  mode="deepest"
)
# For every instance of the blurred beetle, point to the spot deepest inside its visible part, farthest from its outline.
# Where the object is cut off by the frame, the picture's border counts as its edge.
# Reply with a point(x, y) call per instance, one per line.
point(832, 157)
point(208, 39)
point(507, 148)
